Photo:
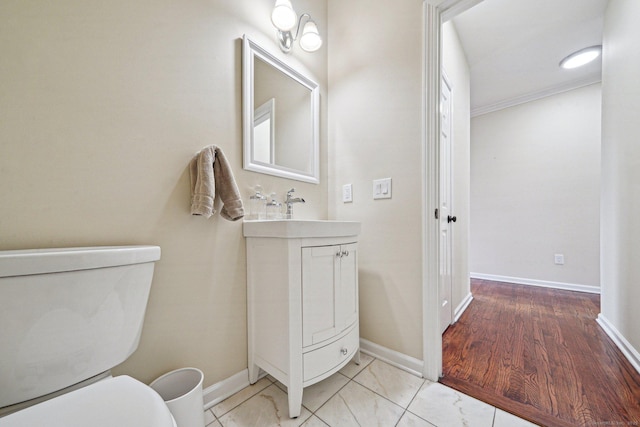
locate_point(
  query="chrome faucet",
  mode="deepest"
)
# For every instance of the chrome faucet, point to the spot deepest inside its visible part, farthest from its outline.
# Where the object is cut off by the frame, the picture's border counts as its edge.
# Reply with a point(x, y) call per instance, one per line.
point(289, 201)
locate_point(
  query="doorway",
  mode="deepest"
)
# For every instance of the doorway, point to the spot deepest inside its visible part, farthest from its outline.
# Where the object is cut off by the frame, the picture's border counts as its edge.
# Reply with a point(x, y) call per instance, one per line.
point(433, 325)
point(433, 40)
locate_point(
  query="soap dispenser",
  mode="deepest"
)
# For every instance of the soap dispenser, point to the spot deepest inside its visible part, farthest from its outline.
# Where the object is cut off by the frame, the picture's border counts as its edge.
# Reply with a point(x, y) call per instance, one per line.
point(274, 208)
point(257, 204)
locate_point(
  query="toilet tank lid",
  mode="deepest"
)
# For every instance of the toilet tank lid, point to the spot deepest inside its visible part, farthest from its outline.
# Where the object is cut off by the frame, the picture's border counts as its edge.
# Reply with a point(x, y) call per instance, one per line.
point(56, 260)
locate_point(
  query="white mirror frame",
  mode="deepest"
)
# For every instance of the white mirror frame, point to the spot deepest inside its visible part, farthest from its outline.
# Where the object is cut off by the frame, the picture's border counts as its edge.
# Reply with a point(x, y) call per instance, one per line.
point(250, 50)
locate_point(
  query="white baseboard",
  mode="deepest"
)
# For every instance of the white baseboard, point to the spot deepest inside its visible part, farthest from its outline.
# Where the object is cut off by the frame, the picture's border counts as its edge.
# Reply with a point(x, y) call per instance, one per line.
point(392, 357)
point(534, 282)
point(462, 307)
point(219, 391)
point(632, 355)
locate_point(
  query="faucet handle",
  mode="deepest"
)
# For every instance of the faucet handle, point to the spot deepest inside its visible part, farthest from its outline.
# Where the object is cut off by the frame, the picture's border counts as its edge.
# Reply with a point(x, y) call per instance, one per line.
point(290, 191)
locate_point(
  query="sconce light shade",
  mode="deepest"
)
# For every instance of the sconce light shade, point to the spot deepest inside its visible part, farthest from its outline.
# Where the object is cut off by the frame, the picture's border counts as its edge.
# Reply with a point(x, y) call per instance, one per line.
point(310, 40)
point(283, 16)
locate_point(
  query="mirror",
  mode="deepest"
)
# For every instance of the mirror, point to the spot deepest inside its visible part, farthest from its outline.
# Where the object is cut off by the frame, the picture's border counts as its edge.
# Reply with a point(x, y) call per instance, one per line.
point(280, 109)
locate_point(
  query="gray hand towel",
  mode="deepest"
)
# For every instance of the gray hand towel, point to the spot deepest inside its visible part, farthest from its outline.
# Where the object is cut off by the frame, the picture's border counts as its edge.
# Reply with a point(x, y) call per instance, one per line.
point(211, 176)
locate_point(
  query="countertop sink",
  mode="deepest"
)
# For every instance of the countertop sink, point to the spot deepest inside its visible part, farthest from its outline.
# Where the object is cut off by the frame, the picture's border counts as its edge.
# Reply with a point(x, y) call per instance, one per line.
point(300, 228)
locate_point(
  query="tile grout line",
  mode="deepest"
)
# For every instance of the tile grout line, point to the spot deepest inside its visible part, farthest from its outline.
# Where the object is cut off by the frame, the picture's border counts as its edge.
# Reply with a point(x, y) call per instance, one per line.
point(339, 390)
point(243, 401)
point(217, 420)
point(424, 381)
point(386, 398)
point(330, 397)
point(315, 413)
point(374, 392)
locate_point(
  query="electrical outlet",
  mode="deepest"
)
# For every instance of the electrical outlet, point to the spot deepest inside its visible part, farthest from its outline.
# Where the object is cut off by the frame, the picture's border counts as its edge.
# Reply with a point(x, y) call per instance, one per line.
point(558, 259)
point(347, 193)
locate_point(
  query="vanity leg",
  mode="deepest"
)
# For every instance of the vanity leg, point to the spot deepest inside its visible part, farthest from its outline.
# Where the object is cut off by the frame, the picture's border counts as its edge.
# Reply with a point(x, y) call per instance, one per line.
point(254, 371)
point(356, 358)
point(295, 400)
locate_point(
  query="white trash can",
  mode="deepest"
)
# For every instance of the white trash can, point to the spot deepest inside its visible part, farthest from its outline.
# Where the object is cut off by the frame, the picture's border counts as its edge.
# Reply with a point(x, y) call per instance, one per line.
point(181, 390)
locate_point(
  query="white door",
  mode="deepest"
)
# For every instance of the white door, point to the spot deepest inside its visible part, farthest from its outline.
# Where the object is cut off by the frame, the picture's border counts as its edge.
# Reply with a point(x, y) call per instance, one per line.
point(445, 215)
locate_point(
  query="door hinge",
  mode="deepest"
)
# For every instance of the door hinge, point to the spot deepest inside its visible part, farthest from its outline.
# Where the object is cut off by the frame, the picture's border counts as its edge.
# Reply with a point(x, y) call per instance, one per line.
point(436, 213)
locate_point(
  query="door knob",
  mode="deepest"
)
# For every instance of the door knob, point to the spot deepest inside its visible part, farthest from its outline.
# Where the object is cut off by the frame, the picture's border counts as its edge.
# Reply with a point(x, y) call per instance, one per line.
point(451, 218)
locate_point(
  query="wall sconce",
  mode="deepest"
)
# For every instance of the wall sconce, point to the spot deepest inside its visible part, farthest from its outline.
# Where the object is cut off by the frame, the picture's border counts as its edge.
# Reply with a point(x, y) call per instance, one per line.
point(284, 18)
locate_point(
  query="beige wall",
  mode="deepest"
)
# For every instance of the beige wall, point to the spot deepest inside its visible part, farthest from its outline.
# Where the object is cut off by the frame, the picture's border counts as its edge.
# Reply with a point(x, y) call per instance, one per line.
point(620, 170)
point(535, 189)
point(375, 75)
point(102, 105)
point(454, 64)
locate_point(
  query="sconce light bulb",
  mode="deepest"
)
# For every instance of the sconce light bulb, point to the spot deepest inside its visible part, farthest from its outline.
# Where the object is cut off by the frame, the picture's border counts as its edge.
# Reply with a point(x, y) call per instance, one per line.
point(310, 40)
point(283, 16)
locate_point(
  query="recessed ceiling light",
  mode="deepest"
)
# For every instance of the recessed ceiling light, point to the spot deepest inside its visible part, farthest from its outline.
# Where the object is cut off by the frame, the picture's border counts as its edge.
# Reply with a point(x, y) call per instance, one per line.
point(581, 57)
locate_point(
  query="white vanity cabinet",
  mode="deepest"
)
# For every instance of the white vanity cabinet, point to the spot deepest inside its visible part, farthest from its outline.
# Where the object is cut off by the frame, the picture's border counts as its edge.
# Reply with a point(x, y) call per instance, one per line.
point(302, 295)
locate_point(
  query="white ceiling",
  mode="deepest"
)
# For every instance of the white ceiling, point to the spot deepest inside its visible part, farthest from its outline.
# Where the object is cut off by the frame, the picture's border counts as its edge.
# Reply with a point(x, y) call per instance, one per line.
point(513, 48)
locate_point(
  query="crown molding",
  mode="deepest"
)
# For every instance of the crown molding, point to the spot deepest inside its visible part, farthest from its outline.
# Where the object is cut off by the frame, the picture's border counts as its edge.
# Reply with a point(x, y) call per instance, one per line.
point(532, 96)
point(451, 8)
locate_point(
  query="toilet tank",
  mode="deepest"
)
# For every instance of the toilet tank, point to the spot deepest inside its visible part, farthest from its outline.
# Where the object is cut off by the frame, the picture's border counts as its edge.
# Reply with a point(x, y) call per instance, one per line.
point(67, 315)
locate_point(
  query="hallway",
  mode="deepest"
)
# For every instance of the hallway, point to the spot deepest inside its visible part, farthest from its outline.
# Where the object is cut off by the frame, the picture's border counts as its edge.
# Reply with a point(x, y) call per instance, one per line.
point(539, 353)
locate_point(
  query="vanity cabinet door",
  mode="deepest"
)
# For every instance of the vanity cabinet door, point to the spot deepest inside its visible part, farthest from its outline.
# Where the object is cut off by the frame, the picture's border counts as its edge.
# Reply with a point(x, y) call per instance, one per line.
point(320, 272)
point(347, 301)
point(329, 291)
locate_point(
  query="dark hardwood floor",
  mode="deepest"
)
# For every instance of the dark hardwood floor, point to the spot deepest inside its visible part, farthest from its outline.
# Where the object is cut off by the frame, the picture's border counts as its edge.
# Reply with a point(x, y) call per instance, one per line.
point(539, 353)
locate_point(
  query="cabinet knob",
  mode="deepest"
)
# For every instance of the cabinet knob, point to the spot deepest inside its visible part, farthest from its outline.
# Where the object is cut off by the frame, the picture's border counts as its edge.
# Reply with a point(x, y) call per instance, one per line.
point(339, 254)
point(345, 253)
point(344, 351)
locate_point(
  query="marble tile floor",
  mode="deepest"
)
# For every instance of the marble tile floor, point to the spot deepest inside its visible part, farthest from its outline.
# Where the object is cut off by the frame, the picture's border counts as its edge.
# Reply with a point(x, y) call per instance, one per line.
point(373, 393)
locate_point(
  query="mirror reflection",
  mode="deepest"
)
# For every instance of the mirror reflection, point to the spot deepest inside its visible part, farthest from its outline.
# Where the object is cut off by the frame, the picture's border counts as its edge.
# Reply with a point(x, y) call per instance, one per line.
point(280, 117)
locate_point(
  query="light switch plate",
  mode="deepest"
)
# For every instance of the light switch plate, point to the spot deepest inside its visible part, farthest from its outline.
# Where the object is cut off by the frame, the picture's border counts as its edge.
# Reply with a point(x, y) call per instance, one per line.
point(347, 193)
point(382, 188)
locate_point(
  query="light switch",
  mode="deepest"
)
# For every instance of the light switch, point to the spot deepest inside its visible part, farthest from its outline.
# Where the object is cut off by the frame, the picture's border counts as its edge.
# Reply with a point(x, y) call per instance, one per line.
point(347, 193)
point(382, 188)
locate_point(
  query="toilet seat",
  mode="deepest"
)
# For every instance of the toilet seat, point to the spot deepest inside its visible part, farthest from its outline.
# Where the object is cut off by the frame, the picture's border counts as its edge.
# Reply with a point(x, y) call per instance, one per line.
point(119, 401)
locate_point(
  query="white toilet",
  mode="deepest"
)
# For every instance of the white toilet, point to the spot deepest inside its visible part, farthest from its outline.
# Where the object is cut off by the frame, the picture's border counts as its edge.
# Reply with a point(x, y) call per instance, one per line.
point(67, 316)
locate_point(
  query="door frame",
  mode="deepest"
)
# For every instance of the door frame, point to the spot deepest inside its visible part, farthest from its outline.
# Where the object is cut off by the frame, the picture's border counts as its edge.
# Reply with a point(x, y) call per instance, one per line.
point(435, 12)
